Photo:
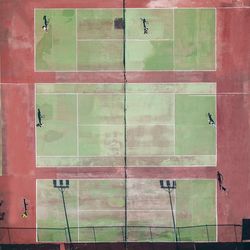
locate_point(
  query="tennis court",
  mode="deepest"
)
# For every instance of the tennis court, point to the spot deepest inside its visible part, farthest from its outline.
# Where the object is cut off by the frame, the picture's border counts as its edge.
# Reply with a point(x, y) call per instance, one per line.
point(96, 210)
point(167, 125)
point(93, 39)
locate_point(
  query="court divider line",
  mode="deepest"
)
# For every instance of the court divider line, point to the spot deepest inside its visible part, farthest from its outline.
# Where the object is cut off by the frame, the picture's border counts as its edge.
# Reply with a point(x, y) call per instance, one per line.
point(125, 239)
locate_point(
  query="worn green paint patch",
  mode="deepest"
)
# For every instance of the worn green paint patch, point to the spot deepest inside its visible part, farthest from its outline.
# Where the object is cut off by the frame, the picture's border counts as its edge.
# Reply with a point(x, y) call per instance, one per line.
point(98, 24)
point(100, 55)
point(58, 135)
point(150, 119)
point(194, 136)
point(101, 195)
point(101, 140)
point(158, 21)
point(146, 140)
point(55, 51)
point(149, 55)
point(144, 107)
point(195, 204)
point(194, 39)
point(101, 109)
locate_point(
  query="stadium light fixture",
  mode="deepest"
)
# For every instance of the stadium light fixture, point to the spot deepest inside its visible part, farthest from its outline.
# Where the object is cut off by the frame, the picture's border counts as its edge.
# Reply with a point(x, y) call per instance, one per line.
point(61, 185)
point(170, 185)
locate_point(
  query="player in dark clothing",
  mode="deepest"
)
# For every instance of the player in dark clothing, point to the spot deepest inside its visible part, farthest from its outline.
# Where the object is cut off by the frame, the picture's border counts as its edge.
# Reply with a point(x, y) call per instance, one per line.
point(145, 22)
point(210, 120)
point(39, 117)
point(220, 179)
point(46, 22)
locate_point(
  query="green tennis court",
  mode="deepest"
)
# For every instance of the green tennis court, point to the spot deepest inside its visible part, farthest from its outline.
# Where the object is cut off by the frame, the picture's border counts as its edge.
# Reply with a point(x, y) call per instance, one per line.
point(96, 210)
point(92, 39)
point(167, 125)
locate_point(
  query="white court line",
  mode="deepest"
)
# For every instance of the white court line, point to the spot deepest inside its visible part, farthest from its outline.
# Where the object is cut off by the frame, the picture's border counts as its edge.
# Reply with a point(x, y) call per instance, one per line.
point(174, 125)
point(128, 39)
point(215, 41)
point(173, 40)
point(133, 179)
point(149, 83)
point(100, 39)
point(129, 166)
point(76, 156)
point(77, 125)
point(198, 95)
point(76, 39)
point(35, 125)
point(197, 31)
point(113, 156)
point(34, 45)
point(157, 8)
point(216, 209)
point(129, 92)
point(120, 71)
point(36, 214)
point(216, 128)
point(131, 124)
point(78, 215)
point(122, 210)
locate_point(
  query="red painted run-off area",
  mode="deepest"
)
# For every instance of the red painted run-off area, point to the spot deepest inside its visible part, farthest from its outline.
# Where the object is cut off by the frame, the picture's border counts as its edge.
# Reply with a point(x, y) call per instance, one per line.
point(18, 78)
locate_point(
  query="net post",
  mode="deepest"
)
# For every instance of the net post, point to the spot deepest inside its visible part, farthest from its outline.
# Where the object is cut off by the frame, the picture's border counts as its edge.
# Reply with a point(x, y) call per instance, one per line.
point(207, 233)
point(93, 228)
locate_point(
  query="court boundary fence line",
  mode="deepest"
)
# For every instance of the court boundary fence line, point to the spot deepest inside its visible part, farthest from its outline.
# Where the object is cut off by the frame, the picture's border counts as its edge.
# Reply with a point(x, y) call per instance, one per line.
point(232, 232)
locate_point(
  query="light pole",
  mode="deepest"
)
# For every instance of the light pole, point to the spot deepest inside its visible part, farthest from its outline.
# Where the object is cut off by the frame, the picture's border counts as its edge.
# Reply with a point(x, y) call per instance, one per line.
point(170, 185)
point(61, 185)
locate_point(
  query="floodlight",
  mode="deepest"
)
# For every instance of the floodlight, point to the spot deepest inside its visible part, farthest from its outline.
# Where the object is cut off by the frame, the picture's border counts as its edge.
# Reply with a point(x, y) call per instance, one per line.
point(61, 183)
point(170, 184)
